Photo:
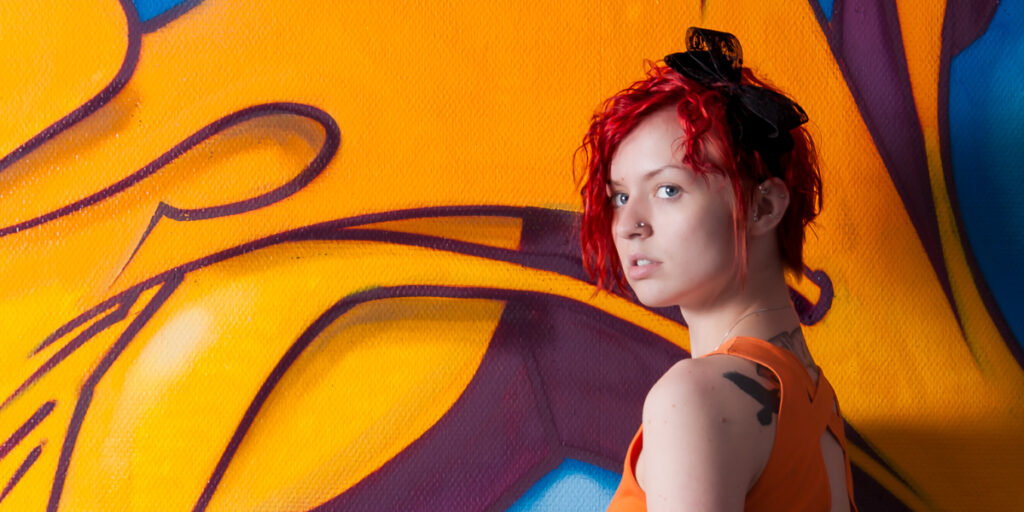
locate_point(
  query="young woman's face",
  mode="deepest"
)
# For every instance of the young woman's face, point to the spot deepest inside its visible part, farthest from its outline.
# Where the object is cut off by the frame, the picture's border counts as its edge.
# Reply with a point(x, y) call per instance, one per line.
point(673, 230)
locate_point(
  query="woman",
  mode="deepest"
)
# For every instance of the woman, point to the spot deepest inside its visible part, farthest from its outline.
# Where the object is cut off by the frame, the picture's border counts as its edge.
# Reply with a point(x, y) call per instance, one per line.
point(699, 185)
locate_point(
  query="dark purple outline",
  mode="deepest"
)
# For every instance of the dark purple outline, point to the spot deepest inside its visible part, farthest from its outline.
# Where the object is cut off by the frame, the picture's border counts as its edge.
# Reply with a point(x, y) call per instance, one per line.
point(123, 306)
point(332, 140)
point(823, 19)
point(85, 397)
point(854, 437)
point(811, 314)
point(869, 494)
point(131, 59)
point(22, 469)
point(963, 25)
point(23, 431)
point(125, 302)
point(157, 22)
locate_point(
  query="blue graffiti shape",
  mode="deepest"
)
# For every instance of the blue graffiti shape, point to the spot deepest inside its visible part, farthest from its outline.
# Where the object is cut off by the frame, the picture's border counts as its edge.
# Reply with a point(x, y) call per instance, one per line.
point(826, 8)
point(986, 125)
point(149, 9)
point(573, 485)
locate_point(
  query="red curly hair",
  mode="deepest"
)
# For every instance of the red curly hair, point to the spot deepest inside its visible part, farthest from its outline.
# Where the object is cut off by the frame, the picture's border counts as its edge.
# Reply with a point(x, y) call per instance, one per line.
point(702, 114)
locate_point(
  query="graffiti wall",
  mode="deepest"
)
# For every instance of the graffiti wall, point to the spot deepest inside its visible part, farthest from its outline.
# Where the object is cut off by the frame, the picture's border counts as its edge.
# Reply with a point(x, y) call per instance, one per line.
point(322, 255)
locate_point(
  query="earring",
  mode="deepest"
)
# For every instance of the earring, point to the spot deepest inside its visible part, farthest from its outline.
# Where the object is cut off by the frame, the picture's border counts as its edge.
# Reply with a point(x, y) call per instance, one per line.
point(763, 188)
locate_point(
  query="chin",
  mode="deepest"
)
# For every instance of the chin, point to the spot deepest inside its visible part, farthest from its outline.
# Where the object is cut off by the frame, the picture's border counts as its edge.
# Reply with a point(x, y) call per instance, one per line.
point(654, 298)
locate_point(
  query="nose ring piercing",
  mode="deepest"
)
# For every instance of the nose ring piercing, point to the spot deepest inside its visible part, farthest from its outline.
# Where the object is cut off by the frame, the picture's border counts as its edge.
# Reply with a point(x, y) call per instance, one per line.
point(641, 224)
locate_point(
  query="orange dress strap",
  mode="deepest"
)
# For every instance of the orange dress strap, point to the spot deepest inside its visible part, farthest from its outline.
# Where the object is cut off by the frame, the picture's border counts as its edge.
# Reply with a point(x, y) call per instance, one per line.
point(795, 474)
point(629, 497)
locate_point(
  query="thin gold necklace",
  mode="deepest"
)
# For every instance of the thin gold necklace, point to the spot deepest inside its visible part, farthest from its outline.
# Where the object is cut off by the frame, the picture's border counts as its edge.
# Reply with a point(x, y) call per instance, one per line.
point(740, 319)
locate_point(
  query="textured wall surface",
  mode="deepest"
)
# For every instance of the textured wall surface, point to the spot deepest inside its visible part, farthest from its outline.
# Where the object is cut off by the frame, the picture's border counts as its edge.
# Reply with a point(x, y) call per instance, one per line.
point(321, 255)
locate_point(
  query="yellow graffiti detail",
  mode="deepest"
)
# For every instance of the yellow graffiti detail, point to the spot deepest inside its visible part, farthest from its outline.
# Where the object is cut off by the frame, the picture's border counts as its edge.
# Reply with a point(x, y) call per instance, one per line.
point(52, 64)
point(501, 232)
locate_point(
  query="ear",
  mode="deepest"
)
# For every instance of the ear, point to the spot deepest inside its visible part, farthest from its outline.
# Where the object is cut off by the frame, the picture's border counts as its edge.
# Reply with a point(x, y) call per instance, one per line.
point(768, 205)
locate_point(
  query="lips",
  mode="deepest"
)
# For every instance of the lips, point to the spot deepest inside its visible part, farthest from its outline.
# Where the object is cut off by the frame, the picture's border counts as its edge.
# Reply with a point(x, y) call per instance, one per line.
point(641, 266)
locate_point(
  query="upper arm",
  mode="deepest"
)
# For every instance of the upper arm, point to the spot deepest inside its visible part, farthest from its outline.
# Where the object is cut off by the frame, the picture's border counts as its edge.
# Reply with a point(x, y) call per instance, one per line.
point(702, 442)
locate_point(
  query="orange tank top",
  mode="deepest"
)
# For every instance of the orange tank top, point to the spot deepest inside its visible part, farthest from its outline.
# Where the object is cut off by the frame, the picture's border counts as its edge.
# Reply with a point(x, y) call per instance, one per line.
point(794, 477)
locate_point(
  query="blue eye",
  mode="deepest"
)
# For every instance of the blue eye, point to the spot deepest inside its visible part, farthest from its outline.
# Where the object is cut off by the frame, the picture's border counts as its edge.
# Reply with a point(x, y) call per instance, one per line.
point(667, 191)
point(618, 199)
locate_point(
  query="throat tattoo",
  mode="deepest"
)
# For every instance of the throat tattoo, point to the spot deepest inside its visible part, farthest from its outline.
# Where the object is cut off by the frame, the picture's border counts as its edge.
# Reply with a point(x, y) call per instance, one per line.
point(794, 342)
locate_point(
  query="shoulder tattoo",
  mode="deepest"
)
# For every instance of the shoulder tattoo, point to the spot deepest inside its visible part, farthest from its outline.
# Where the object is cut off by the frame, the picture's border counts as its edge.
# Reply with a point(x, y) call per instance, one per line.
point(768, 398)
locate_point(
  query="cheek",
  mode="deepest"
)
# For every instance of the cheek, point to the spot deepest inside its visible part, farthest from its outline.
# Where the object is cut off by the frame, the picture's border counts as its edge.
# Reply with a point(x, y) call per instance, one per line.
point(618, 245)
point(617, 226)
point(708, 234)
point(724, 241)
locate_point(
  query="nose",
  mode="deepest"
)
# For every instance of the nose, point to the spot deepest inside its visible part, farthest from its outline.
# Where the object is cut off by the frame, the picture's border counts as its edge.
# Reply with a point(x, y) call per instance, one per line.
point(632, 224)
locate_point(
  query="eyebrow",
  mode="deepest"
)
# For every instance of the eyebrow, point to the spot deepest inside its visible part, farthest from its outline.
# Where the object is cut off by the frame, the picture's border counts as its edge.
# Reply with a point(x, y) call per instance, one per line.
point(650, 174)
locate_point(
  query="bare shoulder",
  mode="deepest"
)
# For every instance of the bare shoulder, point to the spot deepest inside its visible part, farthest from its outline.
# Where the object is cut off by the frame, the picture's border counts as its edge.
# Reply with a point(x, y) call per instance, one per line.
point(710, 423)
point(721, 385)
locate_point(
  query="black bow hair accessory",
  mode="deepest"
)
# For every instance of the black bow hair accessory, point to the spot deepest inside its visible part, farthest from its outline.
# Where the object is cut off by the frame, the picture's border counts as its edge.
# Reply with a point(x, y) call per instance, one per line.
point(760, 119)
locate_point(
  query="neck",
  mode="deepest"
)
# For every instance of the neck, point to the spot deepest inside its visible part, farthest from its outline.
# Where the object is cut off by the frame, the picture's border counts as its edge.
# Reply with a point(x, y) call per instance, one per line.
point(761, 309)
